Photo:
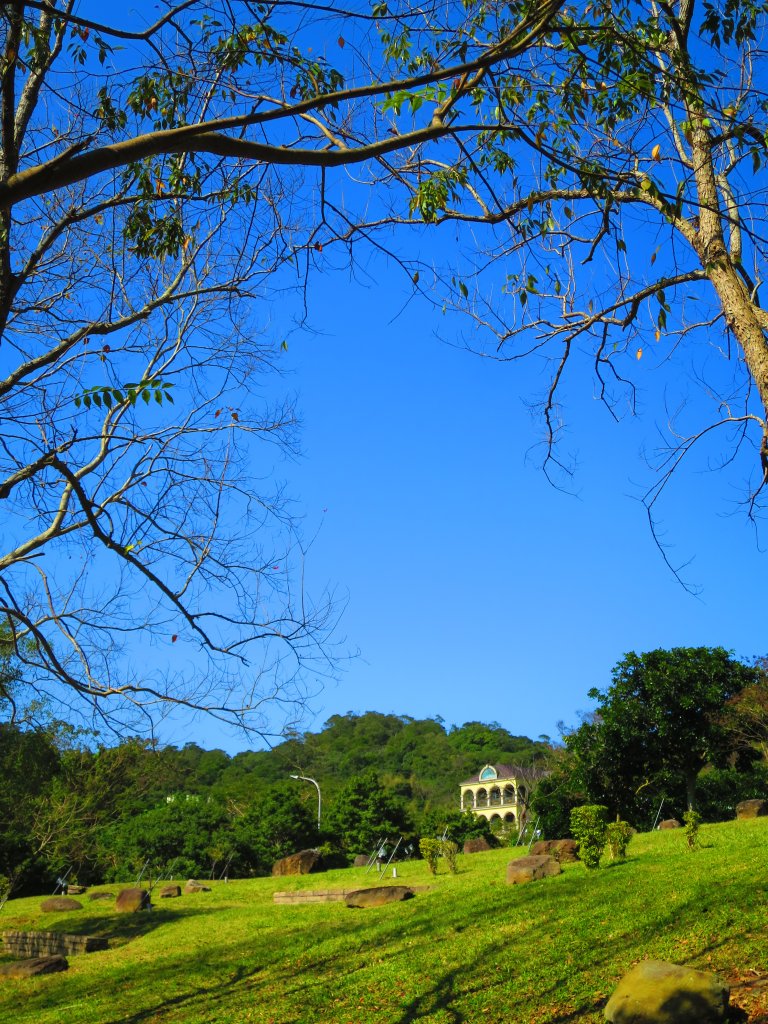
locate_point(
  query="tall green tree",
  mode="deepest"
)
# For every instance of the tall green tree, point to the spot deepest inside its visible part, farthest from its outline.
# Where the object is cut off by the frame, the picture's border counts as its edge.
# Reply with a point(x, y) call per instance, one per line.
point(364, 813)
point(277, 822)
point(657, 725)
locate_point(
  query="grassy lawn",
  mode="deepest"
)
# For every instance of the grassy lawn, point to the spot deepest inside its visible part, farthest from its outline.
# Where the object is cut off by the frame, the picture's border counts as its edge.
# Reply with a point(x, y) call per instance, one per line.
point(470, 949)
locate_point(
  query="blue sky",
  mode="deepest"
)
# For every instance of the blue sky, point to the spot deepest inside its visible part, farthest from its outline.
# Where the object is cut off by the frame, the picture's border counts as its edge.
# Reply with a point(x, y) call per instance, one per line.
point(473, 588)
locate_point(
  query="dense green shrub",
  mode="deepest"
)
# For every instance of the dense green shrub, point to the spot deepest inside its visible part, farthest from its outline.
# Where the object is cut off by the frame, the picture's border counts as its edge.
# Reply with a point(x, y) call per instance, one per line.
point(553, 800)
point(618, 835)
point(588, 828)
point(456, 825)
point(449, 850)
point(430, 851)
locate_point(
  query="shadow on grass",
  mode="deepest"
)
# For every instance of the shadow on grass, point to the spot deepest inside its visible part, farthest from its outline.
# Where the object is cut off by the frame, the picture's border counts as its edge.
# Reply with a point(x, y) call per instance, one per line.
point(438, 999)
point(118, 927)
point(212, 994)
point(321, 961)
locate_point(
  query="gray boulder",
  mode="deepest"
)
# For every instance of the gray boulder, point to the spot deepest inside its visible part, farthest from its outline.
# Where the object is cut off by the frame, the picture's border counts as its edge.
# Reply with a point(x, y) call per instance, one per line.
point(60, 904)
point(752, 809)
point(34, 966)
point(169, 892)
point(130, 900)
point(361, 860)
point(656, 992)
point(378, 895)
point(530, 869)
point(670, 823)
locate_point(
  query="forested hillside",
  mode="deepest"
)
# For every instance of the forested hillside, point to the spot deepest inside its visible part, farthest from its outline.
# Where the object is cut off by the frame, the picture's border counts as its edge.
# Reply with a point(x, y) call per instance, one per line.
point(674, 729)
point(106, 812)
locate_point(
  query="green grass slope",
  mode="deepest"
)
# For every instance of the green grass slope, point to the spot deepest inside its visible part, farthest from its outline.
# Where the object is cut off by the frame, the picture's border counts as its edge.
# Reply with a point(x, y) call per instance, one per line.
point(470, 949)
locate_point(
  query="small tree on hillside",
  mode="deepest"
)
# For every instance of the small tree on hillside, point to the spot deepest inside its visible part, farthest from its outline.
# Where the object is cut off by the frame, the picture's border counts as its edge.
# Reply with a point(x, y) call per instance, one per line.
point(589, 827)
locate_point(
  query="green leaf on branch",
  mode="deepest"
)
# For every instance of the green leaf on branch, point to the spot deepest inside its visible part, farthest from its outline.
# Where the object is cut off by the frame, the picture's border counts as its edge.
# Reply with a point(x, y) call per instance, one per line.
point(106, 395)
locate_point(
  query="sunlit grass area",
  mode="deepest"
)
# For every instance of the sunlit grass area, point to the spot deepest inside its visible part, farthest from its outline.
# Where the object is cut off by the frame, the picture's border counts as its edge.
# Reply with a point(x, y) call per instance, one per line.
point(469, 949)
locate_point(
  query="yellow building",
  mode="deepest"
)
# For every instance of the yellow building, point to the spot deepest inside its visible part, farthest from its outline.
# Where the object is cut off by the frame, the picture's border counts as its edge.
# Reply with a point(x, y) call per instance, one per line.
point(500, 792)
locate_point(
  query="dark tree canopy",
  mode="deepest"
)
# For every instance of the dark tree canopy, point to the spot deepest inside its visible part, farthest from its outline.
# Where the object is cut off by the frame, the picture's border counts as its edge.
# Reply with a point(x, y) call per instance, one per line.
point(657, 725)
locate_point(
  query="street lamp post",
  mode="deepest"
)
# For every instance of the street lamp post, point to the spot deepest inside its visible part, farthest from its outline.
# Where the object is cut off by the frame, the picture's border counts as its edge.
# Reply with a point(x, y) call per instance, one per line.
point(306, 778)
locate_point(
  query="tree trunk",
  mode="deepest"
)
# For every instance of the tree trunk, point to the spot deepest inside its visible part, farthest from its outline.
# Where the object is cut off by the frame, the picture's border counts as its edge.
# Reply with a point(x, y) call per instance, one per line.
point(690, 788)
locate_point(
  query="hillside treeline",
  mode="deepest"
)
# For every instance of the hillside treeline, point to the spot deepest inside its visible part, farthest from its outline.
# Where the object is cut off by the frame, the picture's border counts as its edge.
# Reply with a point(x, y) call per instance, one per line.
point(674, 729)
point(106, 813)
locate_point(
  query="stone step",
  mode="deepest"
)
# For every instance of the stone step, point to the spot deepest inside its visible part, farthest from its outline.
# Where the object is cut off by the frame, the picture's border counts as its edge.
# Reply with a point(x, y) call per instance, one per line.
point(39, 944)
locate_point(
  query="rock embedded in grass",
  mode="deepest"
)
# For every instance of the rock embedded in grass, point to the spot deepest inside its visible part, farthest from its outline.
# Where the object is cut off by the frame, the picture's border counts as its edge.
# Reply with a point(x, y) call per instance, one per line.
point(530, 869)
point(657, 992)
point(33, 967)
point(60, 904)
point(169, 892)
point(378, 896)
point(130, 900)
point(669, 823)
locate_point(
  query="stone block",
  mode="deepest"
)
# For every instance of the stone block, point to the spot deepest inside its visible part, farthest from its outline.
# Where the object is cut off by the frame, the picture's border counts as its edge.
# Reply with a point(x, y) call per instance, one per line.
point(130, 900)
point(193, 886)
point(59, 905)
point(477, 845)
point(37, 944)
point(563, 850)
point(531, 868)
point(378, 896)
point(33, 967)
point(752, 809)
point(301, 863)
